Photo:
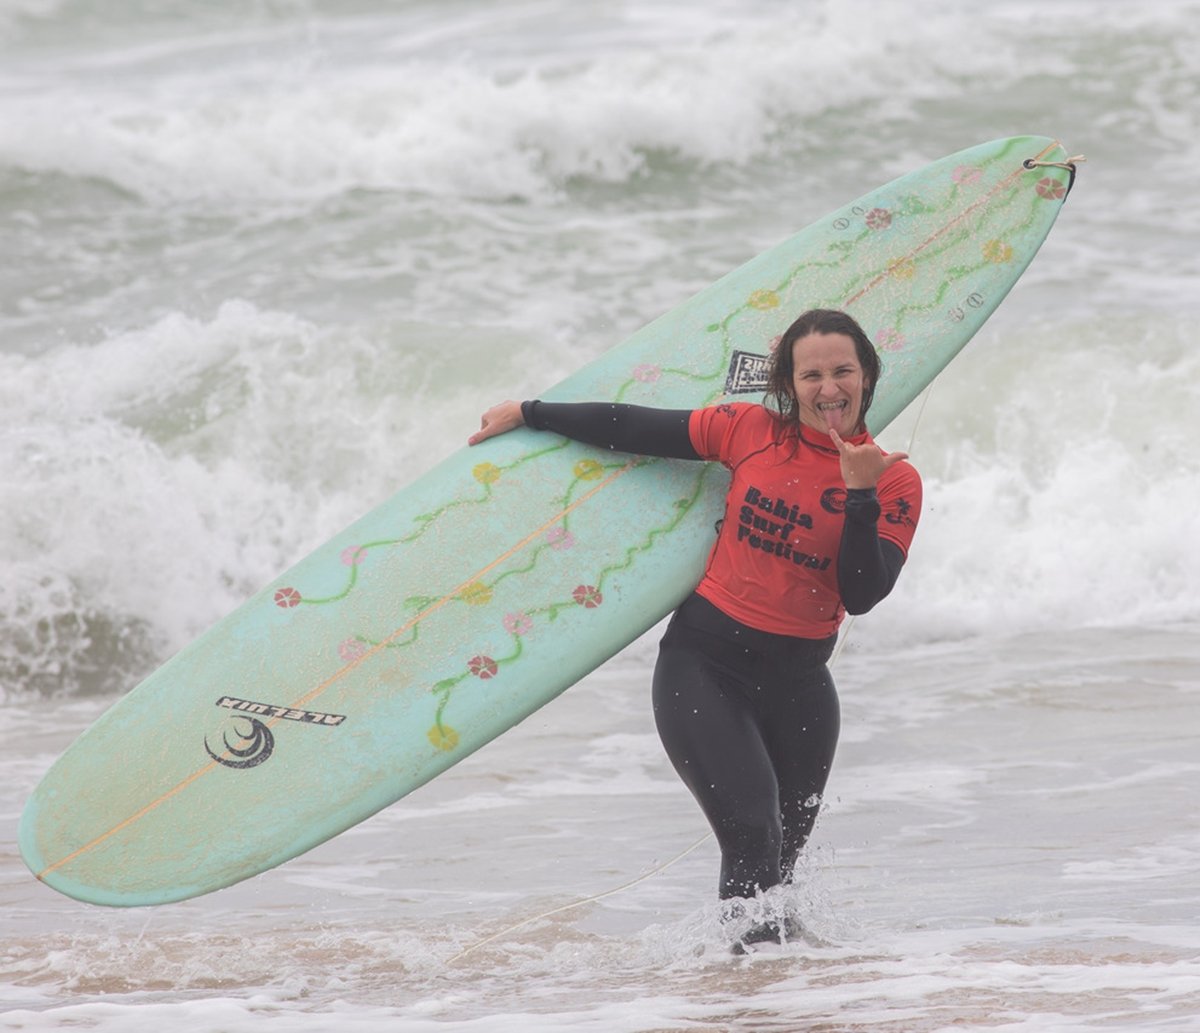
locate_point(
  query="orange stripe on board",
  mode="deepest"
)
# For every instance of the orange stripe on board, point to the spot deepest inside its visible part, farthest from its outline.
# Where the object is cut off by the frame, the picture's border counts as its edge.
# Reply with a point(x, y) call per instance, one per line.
point(128, 821)
point(314, 693)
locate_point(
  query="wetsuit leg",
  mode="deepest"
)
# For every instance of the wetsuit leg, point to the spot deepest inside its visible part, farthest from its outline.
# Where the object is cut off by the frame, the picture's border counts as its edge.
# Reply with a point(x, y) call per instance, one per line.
point(718, 750)
point(801, 732)
point(750, 722)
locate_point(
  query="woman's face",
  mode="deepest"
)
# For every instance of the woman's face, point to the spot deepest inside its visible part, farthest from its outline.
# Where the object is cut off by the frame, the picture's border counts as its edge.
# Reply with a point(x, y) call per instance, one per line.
point(828, 381)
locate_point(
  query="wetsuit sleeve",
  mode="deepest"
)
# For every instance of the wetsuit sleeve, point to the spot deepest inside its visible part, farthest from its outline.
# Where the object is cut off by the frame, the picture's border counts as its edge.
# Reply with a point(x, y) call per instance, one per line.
point(623, 428)
point(867, 564)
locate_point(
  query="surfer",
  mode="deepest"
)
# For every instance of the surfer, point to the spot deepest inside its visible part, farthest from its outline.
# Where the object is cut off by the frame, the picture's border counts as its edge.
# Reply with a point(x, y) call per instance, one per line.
point(818, 521)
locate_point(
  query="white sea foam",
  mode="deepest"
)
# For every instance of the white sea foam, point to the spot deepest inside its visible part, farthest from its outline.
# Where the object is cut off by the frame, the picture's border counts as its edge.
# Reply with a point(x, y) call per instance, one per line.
point(1058, 463)
point(157, 481)
point(196, 495)
point(449, 117)
point(154, 483)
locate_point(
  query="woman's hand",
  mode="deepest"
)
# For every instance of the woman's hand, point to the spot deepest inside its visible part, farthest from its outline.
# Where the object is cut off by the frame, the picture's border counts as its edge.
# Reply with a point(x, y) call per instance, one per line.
point(499, 419)
point(863, 465)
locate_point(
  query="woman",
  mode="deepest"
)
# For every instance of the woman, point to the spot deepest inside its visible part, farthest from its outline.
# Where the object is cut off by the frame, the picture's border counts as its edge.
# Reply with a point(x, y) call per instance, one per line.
point(818, 521)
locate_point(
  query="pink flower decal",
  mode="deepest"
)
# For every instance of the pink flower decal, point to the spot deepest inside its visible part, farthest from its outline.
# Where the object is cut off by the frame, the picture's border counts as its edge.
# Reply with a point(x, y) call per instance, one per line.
point(879, 218)
point(588, 596)
point(1051, 189)
point(890, 340)
point(560, 538)
point(350, 649)
point(647, 373)
point(483, 667)
point(774, 342)
point(353, 555)
point(287, 598)
point(965, 175)
point(517, 623)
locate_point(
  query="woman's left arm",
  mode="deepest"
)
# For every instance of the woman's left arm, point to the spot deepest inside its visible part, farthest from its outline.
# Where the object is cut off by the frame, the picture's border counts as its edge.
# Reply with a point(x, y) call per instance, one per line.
point(867, 565)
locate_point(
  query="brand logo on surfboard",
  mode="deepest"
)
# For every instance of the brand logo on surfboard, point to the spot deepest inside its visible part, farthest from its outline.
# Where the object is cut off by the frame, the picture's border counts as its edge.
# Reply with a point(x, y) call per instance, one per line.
point(254, 741)
point(312, 717)
point(747, 373)
point(251, 749)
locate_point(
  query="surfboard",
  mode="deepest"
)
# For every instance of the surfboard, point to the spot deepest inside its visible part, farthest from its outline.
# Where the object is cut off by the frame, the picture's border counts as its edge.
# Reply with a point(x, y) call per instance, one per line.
point(505, 574)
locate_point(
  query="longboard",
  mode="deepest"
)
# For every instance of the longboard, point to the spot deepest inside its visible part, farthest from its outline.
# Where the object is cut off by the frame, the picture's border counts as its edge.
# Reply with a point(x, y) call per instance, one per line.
point(489, 585)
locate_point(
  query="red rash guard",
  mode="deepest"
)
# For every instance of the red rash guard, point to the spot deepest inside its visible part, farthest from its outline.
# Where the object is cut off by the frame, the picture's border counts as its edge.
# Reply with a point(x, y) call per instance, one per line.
point(775, 563)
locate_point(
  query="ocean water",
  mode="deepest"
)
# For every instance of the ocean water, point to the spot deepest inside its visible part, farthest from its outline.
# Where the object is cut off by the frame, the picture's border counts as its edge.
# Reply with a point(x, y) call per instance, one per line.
point(264, 262)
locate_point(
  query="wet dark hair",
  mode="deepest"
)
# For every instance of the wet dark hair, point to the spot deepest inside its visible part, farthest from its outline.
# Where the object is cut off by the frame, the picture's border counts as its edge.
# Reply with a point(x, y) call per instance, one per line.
point(781, 395)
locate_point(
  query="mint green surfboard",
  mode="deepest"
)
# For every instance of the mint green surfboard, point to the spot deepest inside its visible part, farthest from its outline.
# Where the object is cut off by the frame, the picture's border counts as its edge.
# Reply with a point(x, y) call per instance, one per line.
point(485, 588)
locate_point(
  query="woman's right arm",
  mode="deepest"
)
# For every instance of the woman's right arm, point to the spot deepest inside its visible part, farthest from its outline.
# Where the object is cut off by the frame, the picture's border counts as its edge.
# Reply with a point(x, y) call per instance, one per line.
point(623, 428)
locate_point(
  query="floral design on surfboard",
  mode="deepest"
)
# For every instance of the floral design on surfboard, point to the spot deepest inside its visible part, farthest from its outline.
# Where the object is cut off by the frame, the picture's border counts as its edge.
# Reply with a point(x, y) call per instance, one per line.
point(856, 262)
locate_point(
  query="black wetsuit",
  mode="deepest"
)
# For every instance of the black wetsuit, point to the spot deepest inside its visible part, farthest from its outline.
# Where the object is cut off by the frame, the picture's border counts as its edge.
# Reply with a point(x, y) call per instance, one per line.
point(749, 718)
